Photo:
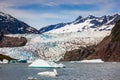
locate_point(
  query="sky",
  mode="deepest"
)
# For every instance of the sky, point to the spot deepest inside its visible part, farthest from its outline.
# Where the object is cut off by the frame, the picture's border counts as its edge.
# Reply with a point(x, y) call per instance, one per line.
point(41, 13)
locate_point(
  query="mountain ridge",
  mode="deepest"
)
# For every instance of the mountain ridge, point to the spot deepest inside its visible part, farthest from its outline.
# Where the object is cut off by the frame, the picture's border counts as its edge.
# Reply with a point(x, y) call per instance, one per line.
point(81, 24)
point(109, 48)
point(11, 25)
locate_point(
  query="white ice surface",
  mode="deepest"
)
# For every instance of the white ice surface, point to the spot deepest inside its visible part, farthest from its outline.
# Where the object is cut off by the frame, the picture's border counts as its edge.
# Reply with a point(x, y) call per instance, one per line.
point(44, 64)
point(52, 46)
point(92, 61)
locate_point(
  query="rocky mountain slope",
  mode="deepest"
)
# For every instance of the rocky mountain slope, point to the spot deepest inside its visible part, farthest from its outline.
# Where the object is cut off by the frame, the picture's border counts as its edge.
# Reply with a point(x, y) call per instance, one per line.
point(12, 42)
point(81, 24)
point(5, 57)
point(9, 24)
point(52, 27)
point(109, 48)
point(79, 54)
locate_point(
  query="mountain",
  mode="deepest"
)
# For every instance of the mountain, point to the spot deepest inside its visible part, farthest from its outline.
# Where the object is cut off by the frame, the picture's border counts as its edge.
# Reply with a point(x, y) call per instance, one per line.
point(51, 27)
point(55, 47)
point(8, 41)
point(9, 24)
point(79, 54)
point(81, 24)
point(109, 48)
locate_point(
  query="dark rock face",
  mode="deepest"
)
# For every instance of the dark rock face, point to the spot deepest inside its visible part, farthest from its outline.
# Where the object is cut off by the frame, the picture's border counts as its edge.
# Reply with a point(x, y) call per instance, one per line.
point(12, 41)
point(9, 24)
point(5, 57)
point(109, 48)
point(78, 54)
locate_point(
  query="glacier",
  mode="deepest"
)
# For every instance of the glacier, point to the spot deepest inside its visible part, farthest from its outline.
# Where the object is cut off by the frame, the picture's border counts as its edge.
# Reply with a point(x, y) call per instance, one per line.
point(50, 46)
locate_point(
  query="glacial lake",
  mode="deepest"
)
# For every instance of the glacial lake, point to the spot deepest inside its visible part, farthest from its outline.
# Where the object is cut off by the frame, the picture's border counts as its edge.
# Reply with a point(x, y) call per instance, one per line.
point(73, 71)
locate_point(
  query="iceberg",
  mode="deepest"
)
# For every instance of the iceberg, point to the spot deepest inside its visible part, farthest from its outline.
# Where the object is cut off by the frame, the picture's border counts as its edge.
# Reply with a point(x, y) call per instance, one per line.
point(0, 61)
point(92, 61)
point(39, 63)
point(5, 61)
point(49, 73)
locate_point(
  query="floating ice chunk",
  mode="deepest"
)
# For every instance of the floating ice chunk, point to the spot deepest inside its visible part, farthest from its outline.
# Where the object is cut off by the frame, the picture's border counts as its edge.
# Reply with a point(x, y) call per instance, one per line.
point(92, 61)
point(32, 78)
point(5, 61)
point(39, 63)
point(49, 73)
point(61, 65)
point(0, 61)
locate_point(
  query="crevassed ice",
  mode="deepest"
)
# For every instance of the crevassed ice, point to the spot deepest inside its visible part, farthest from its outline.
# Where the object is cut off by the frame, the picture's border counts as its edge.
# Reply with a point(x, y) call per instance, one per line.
point(52, 46)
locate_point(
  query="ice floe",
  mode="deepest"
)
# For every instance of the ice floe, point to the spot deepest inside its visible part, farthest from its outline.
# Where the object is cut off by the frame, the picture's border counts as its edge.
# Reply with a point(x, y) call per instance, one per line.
point(88, 61)
point(92, 61)
point(49, 73)
point(39, 63)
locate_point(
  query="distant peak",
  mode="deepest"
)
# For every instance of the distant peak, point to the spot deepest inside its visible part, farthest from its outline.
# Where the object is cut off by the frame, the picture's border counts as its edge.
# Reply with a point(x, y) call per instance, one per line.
point(91, 16)
point(80, 17)
point(117, 14)
point(5, 15)
point(2, 14)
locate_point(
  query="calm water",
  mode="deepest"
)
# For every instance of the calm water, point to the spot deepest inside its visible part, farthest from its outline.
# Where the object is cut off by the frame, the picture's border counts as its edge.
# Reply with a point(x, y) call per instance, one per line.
point(73, 71)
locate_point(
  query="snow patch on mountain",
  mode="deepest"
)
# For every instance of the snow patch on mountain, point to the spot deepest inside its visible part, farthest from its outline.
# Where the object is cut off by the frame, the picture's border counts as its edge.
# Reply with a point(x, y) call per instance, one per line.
point(81, 24)
point(73, 28)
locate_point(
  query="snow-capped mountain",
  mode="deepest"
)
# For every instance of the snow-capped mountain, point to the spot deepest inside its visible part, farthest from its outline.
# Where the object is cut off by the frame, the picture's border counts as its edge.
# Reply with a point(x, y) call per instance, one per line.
point(9, 24)
point(81, 24)
point(83, 32)
point(51, 27)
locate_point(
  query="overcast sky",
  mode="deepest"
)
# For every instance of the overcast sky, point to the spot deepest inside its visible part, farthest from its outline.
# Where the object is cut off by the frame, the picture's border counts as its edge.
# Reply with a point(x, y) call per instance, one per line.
point(40, 13)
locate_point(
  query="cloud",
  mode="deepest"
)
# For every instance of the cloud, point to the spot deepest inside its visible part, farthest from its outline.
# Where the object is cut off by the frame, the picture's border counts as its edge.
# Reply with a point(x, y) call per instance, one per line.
point(44, 18)
point(56, 2)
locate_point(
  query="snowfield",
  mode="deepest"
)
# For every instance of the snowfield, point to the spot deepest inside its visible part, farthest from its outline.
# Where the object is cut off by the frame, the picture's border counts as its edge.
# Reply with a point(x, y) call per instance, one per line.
point(52, 46)
point(81, 27)
point(83, 24)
